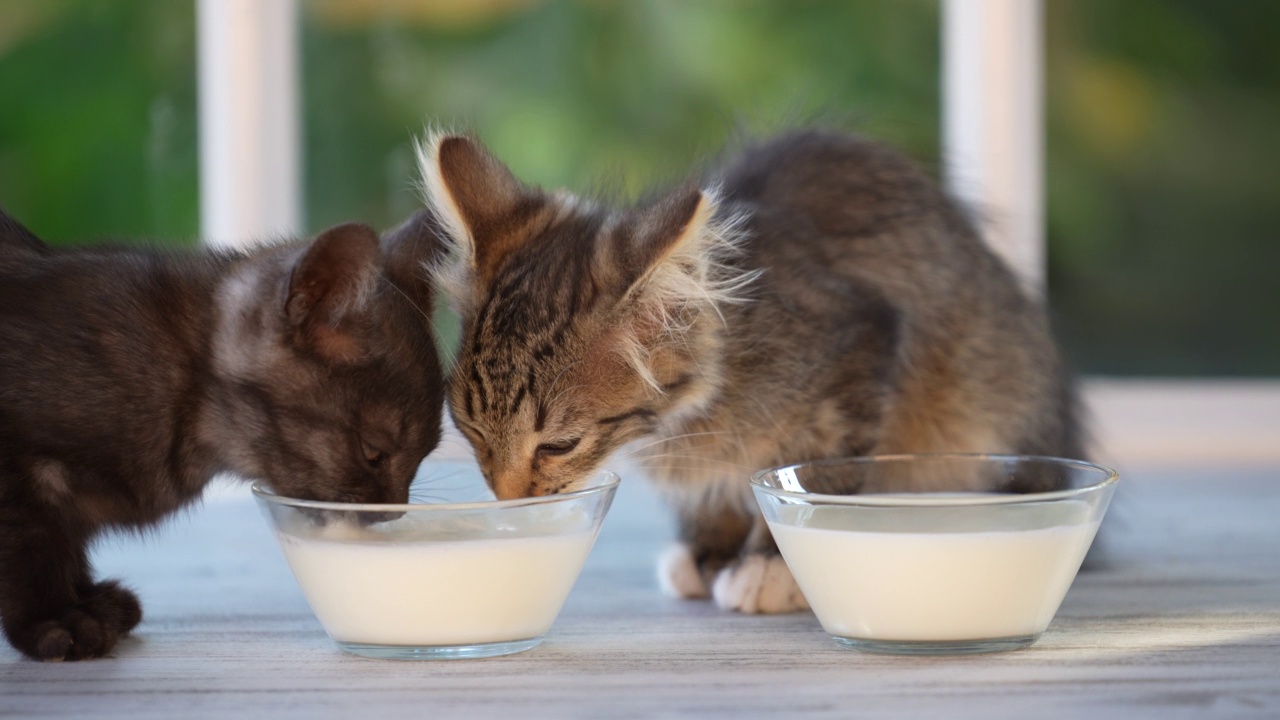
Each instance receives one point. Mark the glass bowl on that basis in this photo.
(890, 565)
(435, 581)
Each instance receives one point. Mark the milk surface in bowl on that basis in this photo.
(926, 572)
(439, 580)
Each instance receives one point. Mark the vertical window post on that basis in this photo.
(993, 135)
(249, 122)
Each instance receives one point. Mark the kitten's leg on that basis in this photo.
(711, 534)
(758, 580)
(51, 608)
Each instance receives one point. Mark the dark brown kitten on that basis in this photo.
(817, 296)
(130, 377)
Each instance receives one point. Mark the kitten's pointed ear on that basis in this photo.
(483, 209)
(329, 290)
(672, 231)
(670, 264)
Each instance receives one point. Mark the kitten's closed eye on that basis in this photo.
(562, 447)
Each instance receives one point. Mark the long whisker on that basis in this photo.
(434, 498)
(451, 488)
(408, 299)
(683, 468)
(445, 476)
(688, 456)
(563, 370)
(662, 462)
(562, 393)
(674, 438)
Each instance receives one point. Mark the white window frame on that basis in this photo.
(993, 133)
(993, 68)
(250, 169)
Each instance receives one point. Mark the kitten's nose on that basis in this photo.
(511, 485)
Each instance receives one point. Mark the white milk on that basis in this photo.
(899, 577)
(439, 592)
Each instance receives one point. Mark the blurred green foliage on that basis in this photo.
(1164, 185)
(1162, 144)
(97, 118)
(619, 94)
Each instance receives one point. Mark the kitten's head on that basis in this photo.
(583, 327)
(329, 385)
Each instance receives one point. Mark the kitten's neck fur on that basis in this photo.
(196, 455)
(239, 325)
(171, 343)
(177, 322)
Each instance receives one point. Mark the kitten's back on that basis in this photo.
(900, 293)
(17, 242)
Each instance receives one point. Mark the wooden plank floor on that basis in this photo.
(1183, 620)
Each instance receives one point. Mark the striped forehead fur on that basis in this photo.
(693, 279)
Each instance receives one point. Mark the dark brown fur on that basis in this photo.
(130, 377)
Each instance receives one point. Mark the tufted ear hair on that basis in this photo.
(672, 264)
(485, 213)
(644, 239)
(329, 289)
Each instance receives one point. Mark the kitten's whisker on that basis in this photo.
(683, 468)
(408, 299)
(674, 438)
(581, 483)
(561, 394)
(681, 452)
(434, 487)
(563, 370)
(694, 459)
(444, 473)
(772, 421)
(710, 464)
(436, 484)
(445, 476)
(424, 498)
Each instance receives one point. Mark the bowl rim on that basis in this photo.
(1110, 478)
(606, 480)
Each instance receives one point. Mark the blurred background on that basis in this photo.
(1163, 156)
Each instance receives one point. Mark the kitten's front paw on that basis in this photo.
(678, 574)
(758, 584)
(88, 630)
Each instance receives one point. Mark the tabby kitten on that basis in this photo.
(816, 297)
(130, 377)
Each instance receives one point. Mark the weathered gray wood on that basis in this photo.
(1183, 620)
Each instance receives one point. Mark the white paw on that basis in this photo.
(758, 584)
(678, 573)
